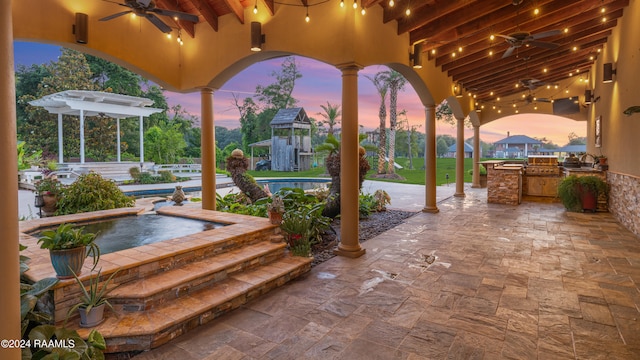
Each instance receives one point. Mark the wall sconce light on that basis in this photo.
(257, 37)
(416, 58)
(608, 73)
(457, 89)
(590, 97)
(81, 28)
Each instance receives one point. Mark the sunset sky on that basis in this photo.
(321, 83)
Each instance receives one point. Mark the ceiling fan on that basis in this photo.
(533, 84)
(518, 39)
(148, 9)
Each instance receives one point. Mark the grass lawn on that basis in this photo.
(444, 166)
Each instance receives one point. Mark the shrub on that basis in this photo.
(166, 176)
(92, 192)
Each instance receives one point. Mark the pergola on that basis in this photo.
(83, 103)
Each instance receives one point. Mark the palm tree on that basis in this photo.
(396, 82)
(331, 116)
(380, 82)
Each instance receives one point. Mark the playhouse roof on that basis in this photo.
(294, 117)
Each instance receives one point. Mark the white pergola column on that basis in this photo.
(141, 142)
(118, 138)
(81, 136)
(9, 255)
(430, 160)
(60, 140)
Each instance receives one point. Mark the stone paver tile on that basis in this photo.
(169, 351)
(322, 317)
(471, 347)
(409, 312)
(490, 326)
(361, 349)
(341, 307)
(329, 347)
(624, 312)
(225, 352)
(445, 300)
(279, 328)
(352, 326)
(519, 346)
(292, 348)
(251, 345)
(593, 349)
(384, 333)
(489, 292)
(554, 337)
(247, 319)
(429, 340)
(630, 331)
(596, 313)
(595, 331)
(476, 304)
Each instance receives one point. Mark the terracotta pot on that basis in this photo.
(91, 318)
(275, 217)
(50, 204)
(602, 161)
(588, 199)
(69, 261)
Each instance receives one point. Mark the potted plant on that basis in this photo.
(68, 248)
(93, 300)
(49, 188)
(297, 228)
(580, 193)
(275, 209)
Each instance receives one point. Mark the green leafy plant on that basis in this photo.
(65, 236)
(94, 296)
(49, 186)
(30, 293)
(91, 349)
(303, 227)
(571, 187)
(92, 192)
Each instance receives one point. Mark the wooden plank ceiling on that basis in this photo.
(457, 35)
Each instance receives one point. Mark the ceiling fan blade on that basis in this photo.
(144, 3)
(508, 52)
(546, 34)
(180, 15)
(506, 37)
(106, 18)
(545, 100)
(158, 23)
(542, 44)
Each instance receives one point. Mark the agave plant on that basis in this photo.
(95, 295)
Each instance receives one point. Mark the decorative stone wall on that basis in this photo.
(624, 200)
(503, 185)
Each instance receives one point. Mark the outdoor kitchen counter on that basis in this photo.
(504, 182)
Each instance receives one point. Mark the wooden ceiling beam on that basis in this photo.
(554, 14)
(269, 4)
(433, 30)
(207, 12)
(426, 13)
(236, 7)
(397, 12)
(533, 52)
(187, 26)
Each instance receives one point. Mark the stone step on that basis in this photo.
(132, 331)
(152, 291)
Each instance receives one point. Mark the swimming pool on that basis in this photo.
(301, 183)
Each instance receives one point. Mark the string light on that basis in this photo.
(307, 18)
(492, 37)
(536, 11)
(179, 39)
(341, 3)
(355, 4)
(255, 7)
(169, 35)
(363, 11)
(391, 3)
(408, 11)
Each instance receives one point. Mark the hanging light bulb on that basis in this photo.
(168, 35)
(307, 18)
(255, 7)
(391, 3)
(363, 11)
(408, 11)
(355, 4)
(341, 3)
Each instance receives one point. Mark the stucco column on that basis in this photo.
(349, 165)
(476, 157)
(60, 141)
(430, 160)
(208, 148)
(9, 268)
(460, 159)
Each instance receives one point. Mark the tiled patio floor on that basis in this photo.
(515, 282)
